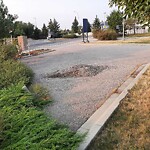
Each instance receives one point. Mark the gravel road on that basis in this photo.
(77, 98)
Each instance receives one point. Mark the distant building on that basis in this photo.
(138, 28)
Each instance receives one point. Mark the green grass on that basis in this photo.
(26, 127)
(129, 126)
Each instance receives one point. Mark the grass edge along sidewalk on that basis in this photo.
(98, 120)
(129, 126)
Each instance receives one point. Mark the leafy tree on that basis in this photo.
(96, 24)
(44, 31)
(115, 19)
(21, 28)
(75, 27)
(54, 27)
(139, 9)
(6, 20)
(29, 29)
(130, 23)
(18, 29)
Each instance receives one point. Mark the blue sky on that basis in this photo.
(64, 11)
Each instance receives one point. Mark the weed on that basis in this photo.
(7, 52)
(41, 95)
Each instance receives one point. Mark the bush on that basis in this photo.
(95, 33)
(105, 35)
(71, 36)
(27, 127)
(12, 72)
(7, 52)
(1, 127)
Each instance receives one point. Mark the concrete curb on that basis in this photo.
(97, 121)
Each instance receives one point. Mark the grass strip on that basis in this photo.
(129, 126)
(139, 35)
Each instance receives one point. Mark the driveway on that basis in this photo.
(77, 98)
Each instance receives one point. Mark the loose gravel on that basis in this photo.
(77, 98)
(77, 71)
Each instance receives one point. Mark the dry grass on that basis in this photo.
(139, 35)
(129, 127)
(136, 40)
(142, 40)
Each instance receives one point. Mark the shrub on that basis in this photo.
(1, 127)
(70, 36)
(105, 34)
(95, 33)
(12, 72)
(7, 52)
(27, 127)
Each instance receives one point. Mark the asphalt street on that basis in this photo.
(37, 44)
(76, 99)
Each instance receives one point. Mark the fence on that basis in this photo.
(8, 41)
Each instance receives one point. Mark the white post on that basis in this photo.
(123, 23)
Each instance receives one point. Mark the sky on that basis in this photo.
(64, 11)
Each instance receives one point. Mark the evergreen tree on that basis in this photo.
(75, 27)
(44, 31)
(114, 20)
(54, 28)
(96, 24)
(37, 33)
(29, 30)
(6, 21)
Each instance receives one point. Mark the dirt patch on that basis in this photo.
(77, 71)
(35, 52)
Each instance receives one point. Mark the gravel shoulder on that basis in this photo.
(77, 98)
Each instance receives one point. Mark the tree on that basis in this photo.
(139, 9)
(37, 33)
(44, 31)
(29, 29)
(21, 28)
(130, 23)
(115, 20)
(18, 29)
(75, 27)
(6, 20)
(96, 24)
(54, 27)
